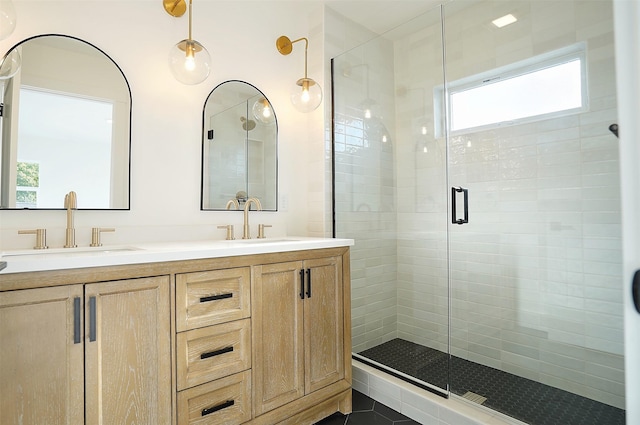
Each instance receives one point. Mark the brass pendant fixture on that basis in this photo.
(189, 61)
(306, 95)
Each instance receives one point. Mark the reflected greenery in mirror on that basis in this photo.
(239, 148)
(65, 127)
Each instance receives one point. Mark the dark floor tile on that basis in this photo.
(521, 398)
(388, 412)
(335, 419)
(367, 411)
(368, 418)
(361, 402)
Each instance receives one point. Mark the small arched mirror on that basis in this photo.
(239, 148)
(65, 126)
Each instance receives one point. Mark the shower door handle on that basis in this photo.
(454, 209)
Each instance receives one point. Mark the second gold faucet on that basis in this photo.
(70, 204)
(247, 206)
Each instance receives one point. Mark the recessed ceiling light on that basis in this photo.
(504, 21)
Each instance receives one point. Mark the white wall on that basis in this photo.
(167, 115)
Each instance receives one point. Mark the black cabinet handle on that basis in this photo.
(454, 210)
(216, 353)
(92, 319)
(308, 283)
(635, 290)
(76, 320)
(215, 297)
(302, 284)
(210, 410)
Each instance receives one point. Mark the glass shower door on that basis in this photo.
(391, 197)
(535, 273)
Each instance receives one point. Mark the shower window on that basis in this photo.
(543, 87)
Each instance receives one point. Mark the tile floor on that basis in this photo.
(528, 401)
(367, 411)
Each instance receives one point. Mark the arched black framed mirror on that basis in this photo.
(66, 125)
(239, 148)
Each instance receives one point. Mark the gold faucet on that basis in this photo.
(70, 203)
(232, 203)
(247, 206)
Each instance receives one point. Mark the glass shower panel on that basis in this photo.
(535, 273)
(391, 197)
(228, 154)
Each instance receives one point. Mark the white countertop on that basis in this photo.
(71, 258)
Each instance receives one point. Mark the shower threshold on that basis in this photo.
(523, 399)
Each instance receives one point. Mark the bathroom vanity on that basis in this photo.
(226, 332)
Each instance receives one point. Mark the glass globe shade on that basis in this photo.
(262, 111)
(306, 95)
(7, 18)
(190, 62)
(10, 64)
(370, 109)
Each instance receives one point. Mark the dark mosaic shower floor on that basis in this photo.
(520, 398)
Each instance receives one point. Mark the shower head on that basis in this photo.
(247, 125)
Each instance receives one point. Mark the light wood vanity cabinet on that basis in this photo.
(259, 339)
(214, 348)
(41, 369)
(100, 350)
(298, 330)
(299, 370)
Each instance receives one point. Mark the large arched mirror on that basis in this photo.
(65, 126)
(239, 148)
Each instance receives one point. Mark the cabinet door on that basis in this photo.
(323, 323)
(278, 345)
(41, 367)
(128, 352)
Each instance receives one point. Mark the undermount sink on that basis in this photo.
(265, 240)
(67, 251)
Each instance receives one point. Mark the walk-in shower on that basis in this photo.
(475, 169)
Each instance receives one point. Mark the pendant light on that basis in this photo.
(189, 61)
(10, 64)
(262, 111)
(306, 95)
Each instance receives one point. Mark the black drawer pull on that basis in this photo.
(210, 410)
(301, 284)
(216, 353)
(215, 297)
(92, 319)
(76, 320)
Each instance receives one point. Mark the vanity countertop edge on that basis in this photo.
(26, 261)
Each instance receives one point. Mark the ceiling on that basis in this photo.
(380, 16)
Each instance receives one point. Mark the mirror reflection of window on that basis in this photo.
(68, 108)
(69, 136)
(27, 183)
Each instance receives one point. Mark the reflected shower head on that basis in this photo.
(247, 125)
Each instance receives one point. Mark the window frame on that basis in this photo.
(443, 94)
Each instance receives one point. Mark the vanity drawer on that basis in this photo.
(225, 401)
(213, 352)
(212, 297)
